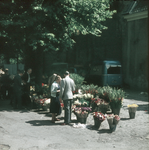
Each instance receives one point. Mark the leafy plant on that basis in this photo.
(92, 89)
(78, 80)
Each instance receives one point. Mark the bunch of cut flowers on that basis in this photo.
(132, 107)
(84, 96)
(112, 119)
(81, 112)
(42, 102)
(99, 104)
(99, 116)
(81, 103)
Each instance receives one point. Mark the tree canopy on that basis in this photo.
(50, 24)
(30, 27)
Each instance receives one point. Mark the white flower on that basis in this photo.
(77, 102)
(88, 95)
(79, 91)
(85, 96)
(75, 96)
(47, 101)
(80, 96)
(84, 103)
(92, 96)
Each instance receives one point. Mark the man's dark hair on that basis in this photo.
(66, 73)
(20, 71)
(29, 69)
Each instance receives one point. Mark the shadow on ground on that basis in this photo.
(42, 123)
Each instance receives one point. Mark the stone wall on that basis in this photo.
(135, 54)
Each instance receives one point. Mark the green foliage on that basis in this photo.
(112, 95)
(92, 89)
(78, 80)
(52, 24)
(48, 25)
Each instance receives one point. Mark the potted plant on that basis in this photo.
(98, 119)
(132, 110)
(81, 113)
(116, 97)
(113, 121)
(78, 80)
(99, 104)
(92, 89)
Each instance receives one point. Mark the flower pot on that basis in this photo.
(112, 127)
(132, 115)
(93, 105)
(82, 119)
(102, 108)
(116, 111)
(132, 112)
(97, 123)
(112, 124)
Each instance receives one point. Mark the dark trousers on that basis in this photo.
(67, 108)
(18, 100)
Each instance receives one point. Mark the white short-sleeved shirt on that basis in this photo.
(54, 88)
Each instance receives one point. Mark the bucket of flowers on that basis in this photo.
(81, 113)
(112, 121)
(99, 105)
(98, 119)
(46, 104)
(116, 97)
(132, 110)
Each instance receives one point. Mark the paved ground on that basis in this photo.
(33, 130)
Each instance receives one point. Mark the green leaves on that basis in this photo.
(52, 24)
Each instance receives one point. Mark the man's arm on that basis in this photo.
(62, 87)
(73, 86)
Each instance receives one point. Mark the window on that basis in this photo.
(114, 70)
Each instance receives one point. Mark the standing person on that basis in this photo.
(6, 82)
(55, 107)
(26, 81)
(17, 90)
(26, 88)
(67, 87)
(50, 81)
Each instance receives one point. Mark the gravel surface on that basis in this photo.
(33, 130)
